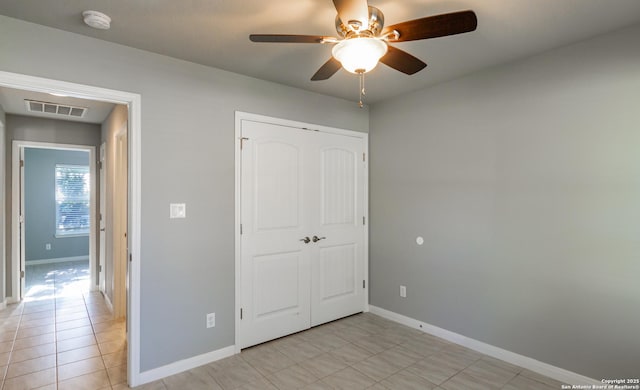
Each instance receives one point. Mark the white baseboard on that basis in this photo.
(3, 304)
(57, 260)
(184, 365)
(108, 302)
(545, 369)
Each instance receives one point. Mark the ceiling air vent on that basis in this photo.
(55, 108)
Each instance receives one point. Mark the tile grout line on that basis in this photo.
(13, 343)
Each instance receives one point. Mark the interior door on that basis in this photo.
(21, 223)
(302, 243)
(103, 209)
(275, 254)
(337, 199)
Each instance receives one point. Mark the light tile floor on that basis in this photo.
(62, 337)
(363, 351)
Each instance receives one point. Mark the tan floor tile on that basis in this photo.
(81, 367)
(94, 381)
(6, 346)
(70, 310)
(116, 358)
(489, 373)
(348, 379)
(38, 315)
(31, 365)
(196, 379)
(35, 331)
(109, 326)
(75, 355)
(73, 324)
(73, 333)
(118, 374)
(24, 324)
(407, 381)
(33, 352)
(523, 383)
(101, 318)
(112, 335)
(7, 335)
(464, 381)
(31, 381)
(49, 307)
(323, 365)
(53, 386)
(32, 341)
(111, 346)
(78, 342)
(293, 377)
(72, 317)
(4, 358)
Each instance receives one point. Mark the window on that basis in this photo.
(72, 200)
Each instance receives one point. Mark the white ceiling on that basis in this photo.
(12, 101)
(215, 33)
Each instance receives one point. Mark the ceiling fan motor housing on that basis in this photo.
(376, 23)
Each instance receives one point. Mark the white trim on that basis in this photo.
(239, 117)
(134, 105)
(108, 302)
(545, 369)
(186, 364)
(57, 260)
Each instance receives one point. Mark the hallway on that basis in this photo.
(61, 336)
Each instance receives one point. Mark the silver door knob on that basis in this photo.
(316, 238)
(306, 240)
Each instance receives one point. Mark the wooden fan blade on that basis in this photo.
(402, 61)
(327, 70)
(435, 26)
(284, 38)
(353, 10)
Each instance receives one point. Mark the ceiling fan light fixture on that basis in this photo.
(359, 55)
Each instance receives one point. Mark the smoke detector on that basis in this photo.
(97, 20)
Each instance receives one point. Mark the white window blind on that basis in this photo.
(72, 200)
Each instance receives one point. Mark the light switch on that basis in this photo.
(177, 210)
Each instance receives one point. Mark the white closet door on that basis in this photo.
(275, 263)
(337, 259)
(297, 184)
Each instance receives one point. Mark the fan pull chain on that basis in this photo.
(362, 91)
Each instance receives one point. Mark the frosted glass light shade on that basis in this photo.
(359, 55)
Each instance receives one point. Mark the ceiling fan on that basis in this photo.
(364, 40)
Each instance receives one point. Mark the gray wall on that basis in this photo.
(34, 129)
(40, 205)
(188, 111)
(524, 182)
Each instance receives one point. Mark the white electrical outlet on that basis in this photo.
(403, 291)
(211, 320)
(47, 246)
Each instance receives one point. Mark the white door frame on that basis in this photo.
(17, 203)
(119, 226)
(102, 211)
(239, 117)
(133, 102)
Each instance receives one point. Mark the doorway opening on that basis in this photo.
(56, 198)
(131, 103)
